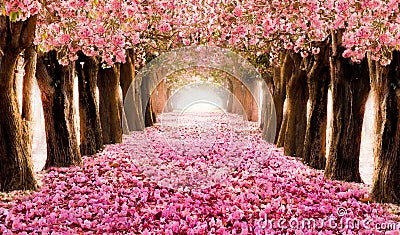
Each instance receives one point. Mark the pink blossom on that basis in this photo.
(115, 192)
(186, 41)
(238, 11)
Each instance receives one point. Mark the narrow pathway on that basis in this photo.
(194, 173)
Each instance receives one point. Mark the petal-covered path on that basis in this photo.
(194, 173)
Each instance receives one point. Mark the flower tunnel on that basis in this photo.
(209, 85)
(245, 91)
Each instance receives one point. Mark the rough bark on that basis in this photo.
(385, 85)
(280, 77)
(168, 106)
(91, 136)
(16, 171)
(266, 87)
(296, 110)
(133, 108)
(30, 58)
(350, 88)
(131, 95)
(150, 115)
(268, 114)
(242, 101)
(237, 88)
(250, 104)
(56, 84)
(315, 140)
(110, 104)
(127, 72)
(147, 86)
(229, 106)
(159, 97)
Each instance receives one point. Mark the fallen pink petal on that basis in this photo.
(232, 189)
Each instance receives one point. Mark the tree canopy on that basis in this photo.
(107, 28)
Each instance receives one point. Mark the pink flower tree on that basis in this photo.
(17, 29)
(81, 36)
(338, 35)
(374, 33)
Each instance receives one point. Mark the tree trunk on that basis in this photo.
(229, 105)
(16, 171)
(385, 85)
(280, 141)
(146, 87)
(56, 84)
(250, 104)
(268, 116)
(168, 105)
(296, 110)
(350, 88)
(238, 97)
(133, 108)
(110, 104)
(159, 97)
(129, 86)
(91, 136)
(315, 140)
(280, 77)
(30, 58)
(150, 116)
(127, 72)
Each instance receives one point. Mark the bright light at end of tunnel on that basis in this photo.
(199, 107)
(199, 97)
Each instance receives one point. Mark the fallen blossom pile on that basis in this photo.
(194, 174)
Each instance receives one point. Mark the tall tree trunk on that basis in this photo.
(91, 136)
(266, 89)
(168, 106)
(229, 105)
(268, 114)
(147, 86)
(110, 104)
(280, 77)
(127, 72)
(249, 103)
(238, 99)
(296, 110)
(385, 85)
(350, 88)
(150, 116)
(30, 58)
(56, 84)
(132, 107)
(16, 171)
(315, 140)
(159, 97)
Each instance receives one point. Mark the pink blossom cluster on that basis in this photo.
(111, 194)
(374, 29)
(107, 28)
(20, 10)
(363, 26)
(97, 28)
